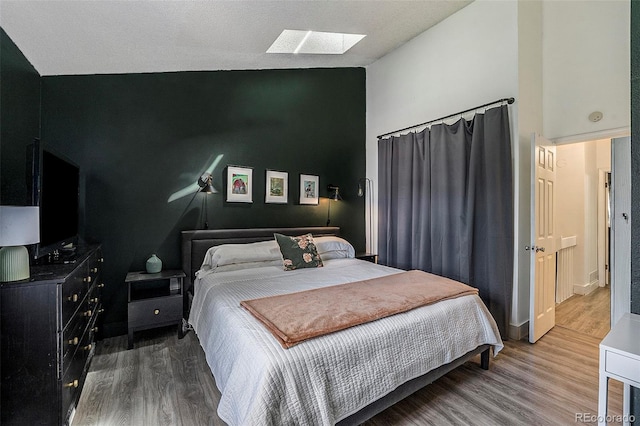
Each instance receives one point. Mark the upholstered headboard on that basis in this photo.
(196, 243)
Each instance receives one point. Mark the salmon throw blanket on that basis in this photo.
(296, 317)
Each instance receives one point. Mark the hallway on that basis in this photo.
(588, 314)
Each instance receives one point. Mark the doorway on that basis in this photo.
(583, 291)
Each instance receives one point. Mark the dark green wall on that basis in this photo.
(19, 120)
(635, 175)
(138, 138)
(635, 157)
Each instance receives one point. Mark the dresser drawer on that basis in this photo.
(72, 339)
(80, 324)
(74, 290)
(156, 311)
(622, 366)
(73, 379)
(94, 264)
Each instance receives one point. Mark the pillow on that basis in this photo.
(298, 252)
(334, 248)
(232, 254)
(248, 265)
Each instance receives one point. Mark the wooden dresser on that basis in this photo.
(48, 332)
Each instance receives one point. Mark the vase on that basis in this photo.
(154, 264)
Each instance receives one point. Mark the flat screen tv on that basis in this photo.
(55, 188)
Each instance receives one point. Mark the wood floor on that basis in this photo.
(165, 381)
(589, 314)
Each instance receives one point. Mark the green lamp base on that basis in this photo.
(14, 263)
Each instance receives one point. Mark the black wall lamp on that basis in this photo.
(205, 182)
(365, 189)
(334, 195)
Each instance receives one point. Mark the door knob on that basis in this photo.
(539, 249)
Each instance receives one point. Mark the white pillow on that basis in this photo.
(334, 248)
(247, 265)
(231, 254)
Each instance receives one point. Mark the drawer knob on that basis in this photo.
(73, 384)
(73, 298)
(156, 311)
(87, 348)
(73, 341)
(94, 300)
(94, 270)
(87, 313)
(87, 279)
(94, 329)
(101, 310)
(101, 260)
(101, 285)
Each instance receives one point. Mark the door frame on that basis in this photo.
(620, 250)
(618, 291)
(603, 267)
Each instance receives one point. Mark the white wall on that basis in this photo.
(586, 66)
(466, 60)
(529, 122)
(590, 213)
(560, 60)
(570, 202)
(578, 168)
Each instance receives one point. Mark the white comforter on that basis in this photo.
(325, 379)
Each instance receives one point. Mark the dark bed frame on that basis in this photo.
(196, 243)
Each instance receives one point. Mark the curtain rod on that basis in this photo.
(507, 100)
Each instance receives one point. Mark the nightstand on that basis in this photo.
(369, 257)
(154, 300)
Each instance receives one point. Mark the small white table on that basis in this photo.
(620, 360)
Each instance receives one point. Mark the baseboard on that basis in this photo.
(585, 289)
(519, 332)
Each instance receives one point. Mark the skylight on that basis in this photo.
(314, 42)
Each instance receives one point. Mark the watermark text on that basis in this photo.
(609, 418)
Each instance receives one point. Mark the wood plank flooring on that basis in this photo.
(162, 381)
(589, 314)
(548, 383)
(165, 381)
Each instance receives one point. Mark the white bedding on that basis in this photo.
(325, 379)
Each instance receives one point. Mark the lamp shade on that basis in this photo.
(206, 183)
(334, 193)
(19, 225)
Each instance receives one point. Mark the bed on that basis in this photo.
(341, 378)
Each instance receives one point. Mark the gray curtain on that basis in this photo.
(446, 205)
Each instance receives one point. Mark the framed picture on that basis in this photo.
(277, 190)
(239, 184)
(309, 185)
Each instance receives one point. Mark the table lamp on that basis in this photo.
(19, 226)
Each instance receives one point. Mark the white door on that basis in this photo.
(620, 227)
(542, 313)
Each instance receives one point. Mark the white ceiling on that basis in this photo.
(61, 37)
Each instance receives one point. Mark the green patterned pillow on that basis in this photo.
(298, 252)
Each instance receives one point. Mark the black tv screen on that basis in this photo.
(59, 191)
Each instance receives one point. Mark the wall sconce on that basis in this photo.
(365, 189)
(334, 194)
(205, 182)
(19, 226)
